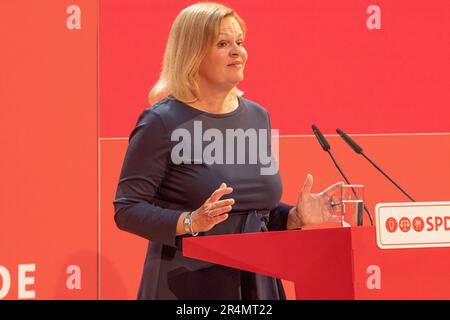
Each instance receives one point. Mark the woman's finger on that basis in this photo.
(336, 208)
(333, 205)
(216, 195)
(221, 203)
(221, 218)
(219, 211)
(307, 186)
(328, 192)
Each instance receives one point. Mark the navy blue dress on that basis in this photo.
(157, 184)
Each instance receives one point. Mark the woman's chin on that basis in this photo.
(238, 78)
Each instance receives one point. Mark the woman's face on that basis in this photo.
(223, 66)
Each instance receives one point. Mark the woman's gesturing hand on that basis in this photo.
(313, 208)
(213, 211)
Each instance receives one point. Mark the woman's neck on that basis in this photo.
(216, 102)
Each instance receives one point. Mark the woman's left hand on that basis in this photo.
(313, 209)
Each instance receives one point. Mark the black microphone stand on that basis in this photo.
(379, 169)
(326, 147)
(359, 150)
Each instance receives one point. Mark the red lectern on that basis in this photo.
(335, 263)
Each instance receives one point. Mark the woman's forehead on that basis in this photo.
(230, 25)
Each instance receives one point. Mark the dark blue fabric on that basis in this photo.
(153, 191)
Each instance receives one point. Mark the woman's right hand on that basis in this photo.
(213, 211)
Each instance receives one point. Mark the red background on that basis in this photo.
(48, 139)
(309, 62)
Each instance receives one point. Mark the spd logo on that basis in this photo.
(413, 225)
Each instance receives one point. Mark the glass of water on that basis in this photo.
(352, 197)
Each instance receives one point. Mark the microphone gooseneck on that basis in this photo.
(359, 150)
(326, 147)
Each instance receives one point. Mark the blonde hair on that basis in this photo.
(193, 32)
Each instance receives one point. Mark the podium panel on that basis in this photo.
(335, 263)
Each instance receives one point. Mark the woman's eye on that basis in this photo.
(223, 44)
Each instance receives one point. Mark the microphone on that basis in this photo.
(359, 150)
(323, 142)
(326, 147)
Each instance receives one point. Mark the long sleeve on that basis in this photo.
(146, 161)
(278, 217)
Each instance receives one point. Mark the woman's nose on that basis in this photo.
(235, 50)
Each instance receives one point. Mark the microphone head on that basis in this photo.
(349, 141)
(323, 142)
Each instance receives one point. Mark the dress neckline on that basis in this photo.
(239, 108)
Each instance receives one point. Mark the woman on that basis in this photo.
(167, 192)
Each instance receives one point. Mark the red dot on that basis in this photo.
(391, 225)
(418, 224)
(405, 224)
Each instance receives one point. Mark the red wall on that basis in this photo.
(69, 99)
(316, 60)
(48, 138)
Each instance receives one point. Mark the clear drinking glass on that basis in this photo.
(352, 200)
